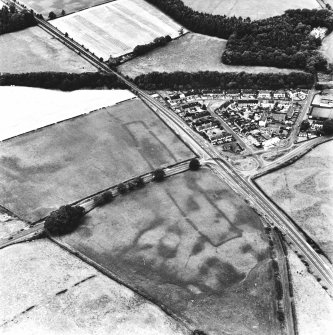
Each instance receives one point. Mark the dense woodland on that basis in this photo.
(142, 49)
(281, 41)
(62, 81)
(12, 20)
(228, 80)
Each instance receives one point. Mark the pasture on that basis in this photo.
(34, 50)
(191, 244)
(65, 162)
(116, 28)
(46, 6)
(46, 290)
(255, 9)
(189, 53)
(304, 190)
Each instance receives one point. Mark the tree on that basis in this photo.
(305, 125)
(327, 129)
(52, 16)
(103, 199)
(194, 164)
(122, 188)
(159, 175)
(139, 182)
(63, 13)
(198, 332)
(64, 220)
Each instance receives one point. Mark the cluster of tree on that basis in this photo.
(281, 41)
(64, 220)
(327, 129)
(203, 23)
(142, 49)
(131, 185)
(227, 80)
(194, 164)
(13, 20)
(62, 81)
(103, 199)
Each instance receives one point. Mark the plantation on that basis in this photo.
(68, 161)
(34, 50)
(255, 9)
(190, 244)
(190, 53)
(116, 28)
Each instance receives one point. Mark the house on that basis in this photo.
(279, 95)
(264, 94)
(247, 102)
(278, 117)
(249, 94)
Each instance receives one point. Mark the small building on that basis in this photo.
(279, 95)
(264, 94)
(278, 117)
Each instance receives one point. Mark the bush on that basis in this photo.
(64, 220)
(198, 332)
(194, 164)
(280, 315)
(159, 175)
(279, 289)
(103, 198)
(122, 188)
(139, 182)
(131, 186)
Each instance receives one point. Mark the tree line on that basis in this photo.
(281, 41)
(12, 20)
(142, 49)
(63, 81)
(227, 80)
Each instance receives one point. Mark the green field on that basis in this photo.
(70, 160)
(46, 6)
(190, 244)
(190, 53)
(255, 9)
(305, 191)
(34, 50)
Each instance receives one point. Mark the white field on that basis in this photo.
(116, 28)
(25, 109)
(47, 291)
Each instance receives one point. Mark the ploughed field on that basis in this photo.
(255, 9)
(116, 28)
(34, 50)
(70, 160)
(46, 6)
(304, 190)
(189, 53)
(191, 245)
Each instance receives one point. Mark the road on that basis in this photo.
(221, 166)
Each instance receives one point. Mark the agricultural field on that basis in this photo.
(53, 106)
(191, 244)
(255, 9)
(116, 28)
(34, 50)
(304, 190)
(189, 53)
(46, 6)
(68, 161)
(46, 290)
(327, 47)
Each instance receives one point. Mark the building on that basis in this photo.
(263, 94)
(278, 117)
(279, 95)
(247, 102)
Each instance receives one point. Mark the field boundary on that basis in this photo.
(185, 323)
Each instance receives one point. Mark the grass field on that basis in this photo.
(34, 50)
(46, 6)
(45, 290)
(327, 47)
(116, 28)
(191, 244)
(53, 106)
(255, 9)
(70, 160)
(305, 191)
(190, 53)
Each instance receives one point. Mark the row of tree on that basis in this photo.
(12, 20)
(281, 41)
(227, 80)
(142, 49)
(62, 81)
